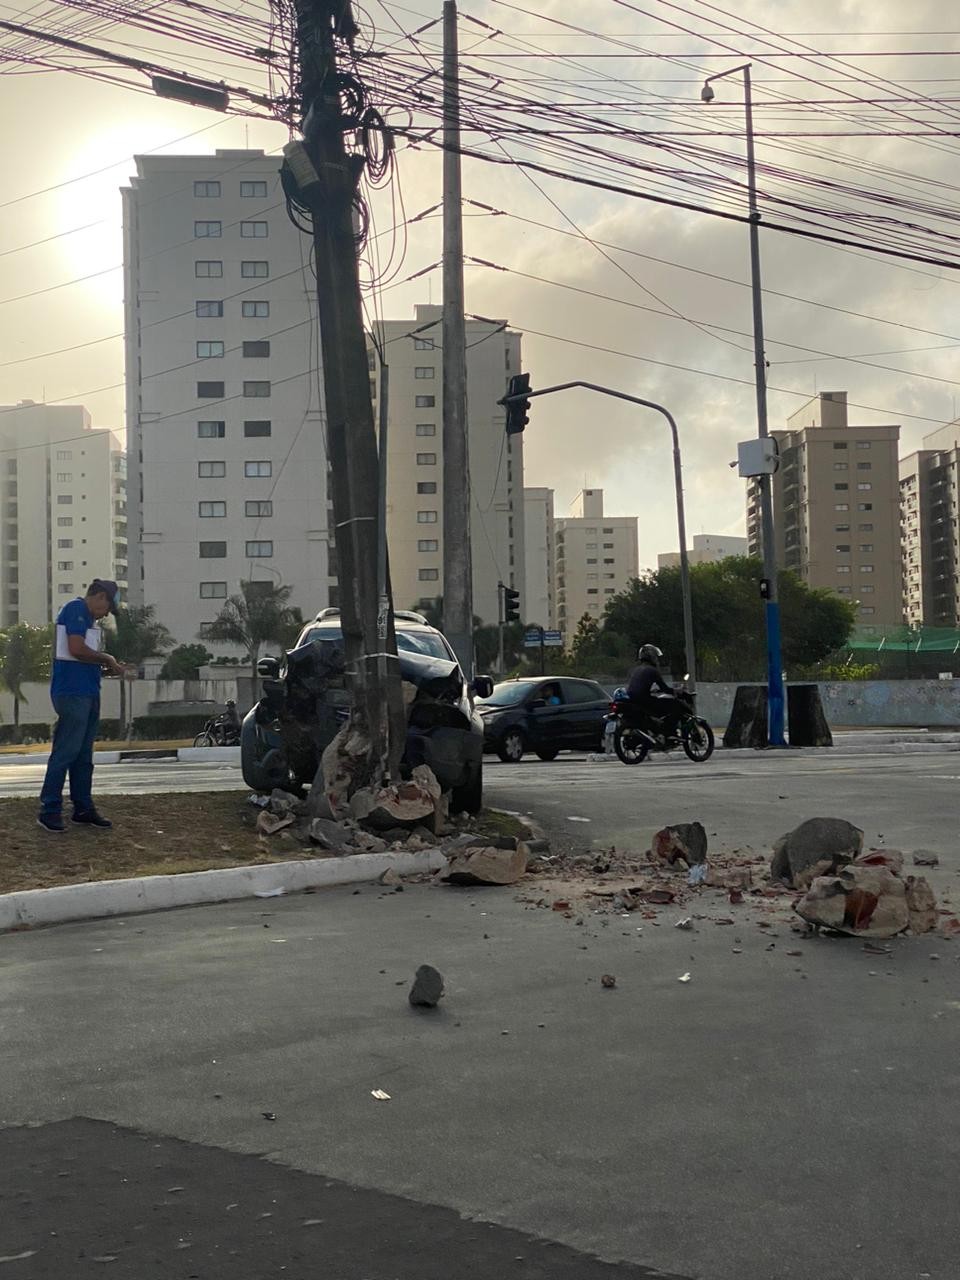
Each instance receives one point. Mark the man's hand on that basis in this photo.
(112, 666)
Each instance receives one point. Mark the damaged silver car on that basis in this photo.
(305, 701)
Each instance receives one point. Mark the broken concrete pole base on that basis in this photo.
(330, 835)
(486, 865)
(344, 762)
(864, 901)
(401, 804)
(427, 988)
(682, 840)
(819, 846)
(268, 824)
(921, 905)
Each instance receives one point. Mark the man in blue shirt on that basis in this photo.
(75, 692)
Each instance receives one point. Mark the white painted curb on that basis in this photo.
(186, 755)
(97, 899)
(209, 755)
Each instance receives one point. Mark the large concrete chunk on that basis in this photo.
(402, 804)
(867, 902)
(819, 846)
(921, 905)
(487, 866)
(682, 840)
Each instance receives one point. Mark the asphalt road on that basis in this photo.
(779, 1117)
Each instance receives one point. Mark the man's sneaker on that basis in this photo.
(51, 822)
(91, 819)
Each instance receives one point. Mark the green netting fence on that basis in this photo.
(904, 639)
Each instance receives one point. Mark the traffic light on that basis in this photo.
(511, 604)
(517, 410)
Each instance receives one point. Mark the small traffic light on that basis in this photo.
(511, 604)
(517, 410)
(764, 588)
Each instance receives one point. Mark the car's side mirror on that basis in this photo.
(537, 703)
(482, 686)
(268, 668)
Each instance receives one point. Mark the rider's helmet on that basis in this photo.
(650, 653)
(230, 704)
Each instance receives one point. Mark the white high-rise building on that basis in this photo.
(596, 557)
(63, 516)
(539, 606)
(708, 548)
(225, 435)
(414, 355)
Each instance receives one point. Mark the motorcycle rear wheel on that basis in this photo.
(698, 740)
(630, 745)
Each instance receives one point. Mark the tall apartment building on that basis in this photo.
(539, 604)
(63, 517)
(707, 548)
(836, 499)
(930, 539)
(415, 459)
(227, 457)
(596, 557)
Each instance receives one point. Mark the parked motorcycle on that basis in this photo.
(637, 732)
(220, 731)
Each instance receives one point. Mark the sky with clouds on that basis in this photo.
(589, 311)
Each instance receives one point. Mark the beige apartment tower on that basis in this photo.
(63, 509)
(539, 538)
(930, 540)
(837, 507)
(596, 556)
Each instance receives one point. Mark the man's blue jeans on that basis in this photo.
(72, 752)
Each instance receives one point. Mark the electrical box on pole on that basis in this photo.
(760, 457)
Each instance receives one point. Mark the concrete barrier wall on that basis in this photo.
(861, 703)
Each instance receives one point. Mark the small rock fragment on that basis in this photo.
(608, 981)
(427, 988)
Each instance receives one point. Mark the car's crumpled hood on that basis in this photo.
(436, 676)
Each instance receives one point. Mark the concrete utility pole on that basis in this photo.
(457, 555)
(377, 703)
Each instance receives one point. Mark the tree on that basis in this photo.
(432, 609)
(259, 615)
(586, 643)
(183, 662)
(728, 618)
(486, 645)
(137, 636)
(25, 653)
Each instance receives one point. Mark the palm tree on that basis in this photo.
(259, 615)
(138, 636)
(24, 658)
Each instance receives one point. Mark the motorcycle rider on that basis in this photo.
(643, 679)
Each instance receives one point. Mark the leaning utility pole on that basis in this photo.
(327, 185)
(457, 557)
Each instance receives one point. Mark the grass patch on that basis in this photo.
(132, 744)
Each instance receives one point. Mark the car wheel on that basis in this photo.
(548, 753)
(511, 747)
(469, 797)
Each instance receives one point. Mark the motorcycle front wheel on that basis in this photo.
(698, 740)
(630, 744)
(203, 740)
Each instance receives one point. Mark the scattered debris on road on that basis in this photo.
(608, 981)
(686, 841)
(817, 847)
(380, 1095)
(926, 858)
(427, 988)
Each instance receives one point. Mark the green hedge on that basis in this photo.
(10, 734)
(154, 728)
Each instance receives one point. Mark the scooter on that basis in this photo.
(220, 731)
(637, 733)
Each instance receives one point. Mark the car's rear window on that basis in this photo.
(428, 643)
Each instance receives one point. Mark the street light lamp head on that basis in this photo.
(706, 93)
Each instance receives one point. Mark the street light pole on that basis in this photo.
(765, 482)
(691, 653)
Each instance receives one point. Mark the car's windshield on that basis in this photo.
(427, 643)
(509, 693)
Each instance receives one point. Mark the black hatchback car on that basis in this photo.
(545, 715)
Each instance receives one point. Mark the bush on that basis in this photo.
(155, 728)
(10, 734)
(109, 731)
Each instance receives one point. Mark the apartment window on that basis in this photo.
(841, 506)
(609, 560)
(864, 484)
(843, 548)
(213, 550)
(63, 455)
(258, 427)
(426, 486)
(423, 344)
(426, 517)
(64, 477)
(864, 506)
(865, 528)
(866, 568)
(592, 561)
(259, 550)
(208, 270)
(65, 588)
(254, 230)
(845, 591)
(208, 430)
(252, 190)
(609, 591)
(841, 466)
(864, 466)
(868, 609)
(64, 544)
(608, 546)
(256, 390)
(424, 371)
(837, 445)
(591, 546)
(426, 459)
(866, 546)
(209, 350)
(63, 565)
(254, 270)
(843, 568)
(212, 510)
(867, 589)
(593, 591)
(258, 350)
(64, 499)
(209, 309)
(258, 507)
(426, 428)
(609, 575)
(257, 470)
(255, 310)
(841, 528)
(426, 402)
(863, 444)
(213, 591)
(428, 544)
(610, 530)
(841, 487)
(428, 575)
(64, 522)
(210, 470)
